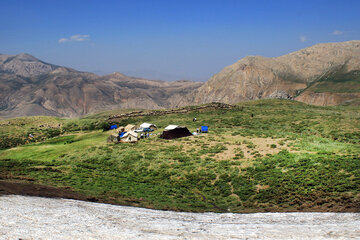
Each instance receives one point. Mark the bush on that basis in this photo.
(105, 126)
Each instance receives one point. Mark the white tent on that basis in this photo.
(171, 127)
(129, 137)
(148, 125)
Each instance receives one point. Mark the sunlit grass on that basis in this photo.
(51, 150)
(325, 145)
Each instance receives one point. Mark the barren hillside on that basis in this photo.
(324, 74)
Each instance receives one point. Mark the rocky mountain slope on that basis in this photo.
(29, 86)
(24, 64)
(324, 74)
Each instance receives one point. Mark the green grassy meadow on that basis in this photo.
(288, 157)
(339, 83)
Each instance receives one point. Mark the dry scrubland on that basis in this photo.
(288, 157)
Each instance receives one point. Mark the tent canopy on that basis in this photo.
(129, 137)
(120, 129)
(131, 133)
(170, 127)
(130, 127)
(148, 125)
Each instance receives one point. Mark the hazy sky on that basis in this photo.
(169, 40)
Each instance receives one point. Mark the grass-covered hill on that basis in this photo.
(288, 157)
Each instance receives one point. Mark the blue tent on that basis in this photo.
(121, 134)
(113, 127)
(204, 129)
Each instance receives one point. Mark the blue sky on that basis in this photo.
(170, 40)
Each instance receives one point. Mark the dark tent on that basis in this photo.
(175, 133)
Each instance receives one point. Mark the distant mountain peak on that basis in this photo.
(118, 75)
(26, 57)
(25, 65)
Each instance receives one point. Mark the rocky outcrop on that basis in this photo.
(329, 99)
(205, 107)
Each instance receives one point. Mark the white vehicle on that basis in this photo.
(139, 130)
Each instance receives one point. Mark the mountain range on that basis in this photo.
(324, 74)
(29, 86)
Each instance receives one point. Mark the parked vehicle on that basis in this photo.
(147, 130)
(144, 130)
(138, 130)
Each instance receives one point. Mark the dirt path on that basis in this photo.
(43, 218)
(12, 187)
